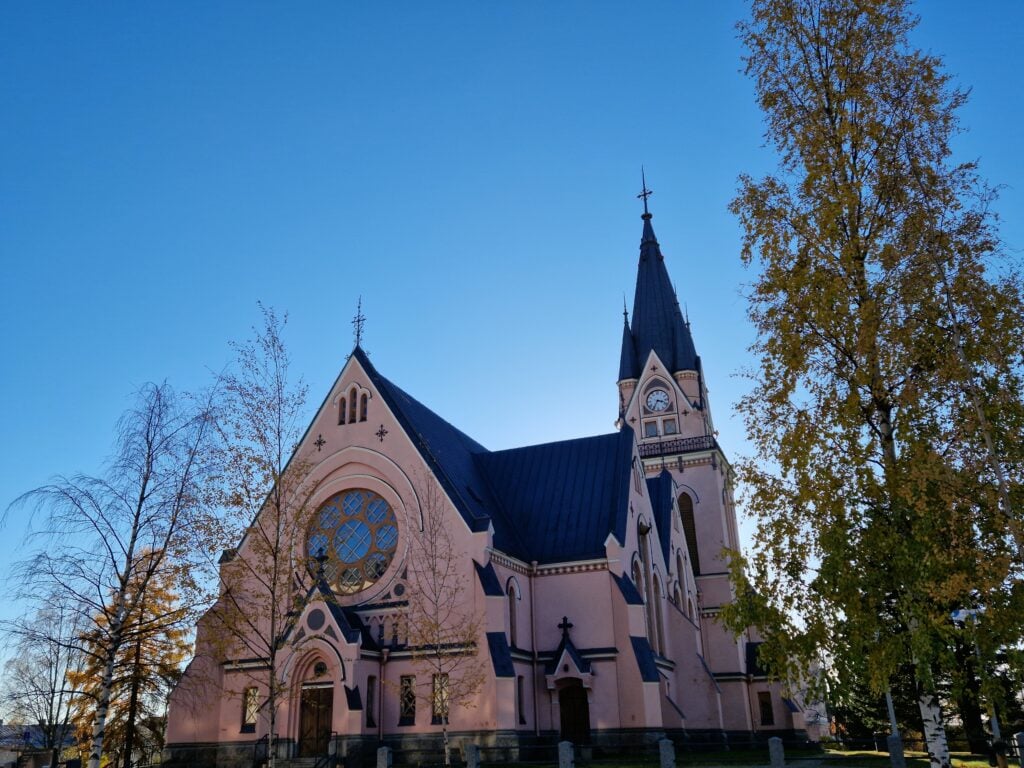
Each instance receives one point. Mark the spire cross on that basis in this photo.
(645, 192)
(358, 321)
(565, 626)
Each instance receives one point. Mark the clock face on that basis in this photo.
(657, 400)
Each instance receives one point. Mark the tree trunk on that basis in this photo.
(934, 731)
(99, 721)
(133, 706)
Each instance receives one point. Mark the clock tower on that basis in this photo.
(663, 398)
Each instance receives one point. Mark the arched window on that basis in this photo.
(689, 529)
(638, 578)
(352, 405)
(341, 411)
(680, 573)
(690, 612)
(677, 598)
(513, 599)
(643, 529)
(656, 641)
(371, 701)
(362, 408)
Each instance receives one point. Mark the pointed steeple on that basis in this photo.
(658, 323)
(627, 360)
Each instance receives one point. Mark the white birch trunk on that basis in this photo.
(99, 721)
(934, 731)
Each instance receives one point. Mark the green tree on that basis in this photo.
(886, 412)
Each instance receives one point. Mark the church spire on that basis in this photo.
(658, 323)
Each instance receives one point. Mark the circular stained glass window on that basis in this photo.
(358, 533)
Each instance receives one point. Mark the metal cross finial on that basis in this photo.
(645, 192)
(565, 626)
(625, 312)
(358, 321)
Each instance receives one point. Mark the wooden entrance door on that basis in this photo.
(575, 712)
(317, 707)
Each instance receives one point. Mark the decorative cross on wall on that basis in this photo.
(319, 443)
(381, 433)
(565, 626)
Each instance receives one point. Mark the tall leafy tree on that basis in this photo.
(886, 411)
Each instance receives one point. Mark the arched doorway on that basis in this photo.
(575, 712)
(316, 709)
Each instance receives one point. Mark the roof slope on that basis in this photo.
(658, 323)
(563, 498)
(550, 503)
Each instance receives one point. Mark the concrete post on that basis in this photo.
(384, 757)
(566, 755)
(775, 752)
(1019, 738)
(472, 753)
(666, 754)
(896, 757)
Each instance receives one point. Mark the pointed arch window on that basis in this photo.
(657, 640)
(689, 529)
(513, 598)
(643, 529)
(341, 411)
(352, 406)
(362, 407)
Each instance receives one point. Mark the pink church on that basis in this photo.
(594, 565)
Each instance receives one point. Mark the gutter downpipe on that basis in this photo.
(533, 643)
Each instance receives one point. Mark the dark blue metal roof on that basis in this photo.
(628, 589)
(658, 323)
(550, 503)
(645, 659)
(352, 698)
(567, 646)
(489, 580)
(501, 654)
(562, 499)
(447, 451)
(660, 489)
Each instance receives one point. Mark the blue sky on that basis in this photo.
(469, 169)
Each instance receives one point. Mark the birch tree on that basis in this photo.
(259, 489)
(443, 626)
(886, 411)
(92, 531)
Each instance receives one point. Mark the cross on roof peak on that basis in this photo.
(645, 192)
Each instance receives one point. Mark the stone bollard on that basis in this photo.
(384, 757)
(472, 756)
(1019, 739)
(896, 756)
(775, 752)
(566, 755)
(666, 754)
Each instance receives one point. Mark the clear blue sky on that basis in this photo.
(470, 169)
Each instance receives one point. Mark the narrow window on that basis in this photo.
(642, 542)
(520, 703)
(650, 429)
(677, 598)
(658, 620)
(362, 408)
(352, 406)
(341, 411)
(638, 578)
(689, 529)
(407, 700)
(371, 701)
(250, 709)
(512, 614)
(680, 573)
(764, 703)
(439, 699)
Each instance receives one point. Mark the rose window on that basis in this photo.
(358, 533)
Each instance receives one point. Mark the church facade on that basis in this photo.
(592, 568)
